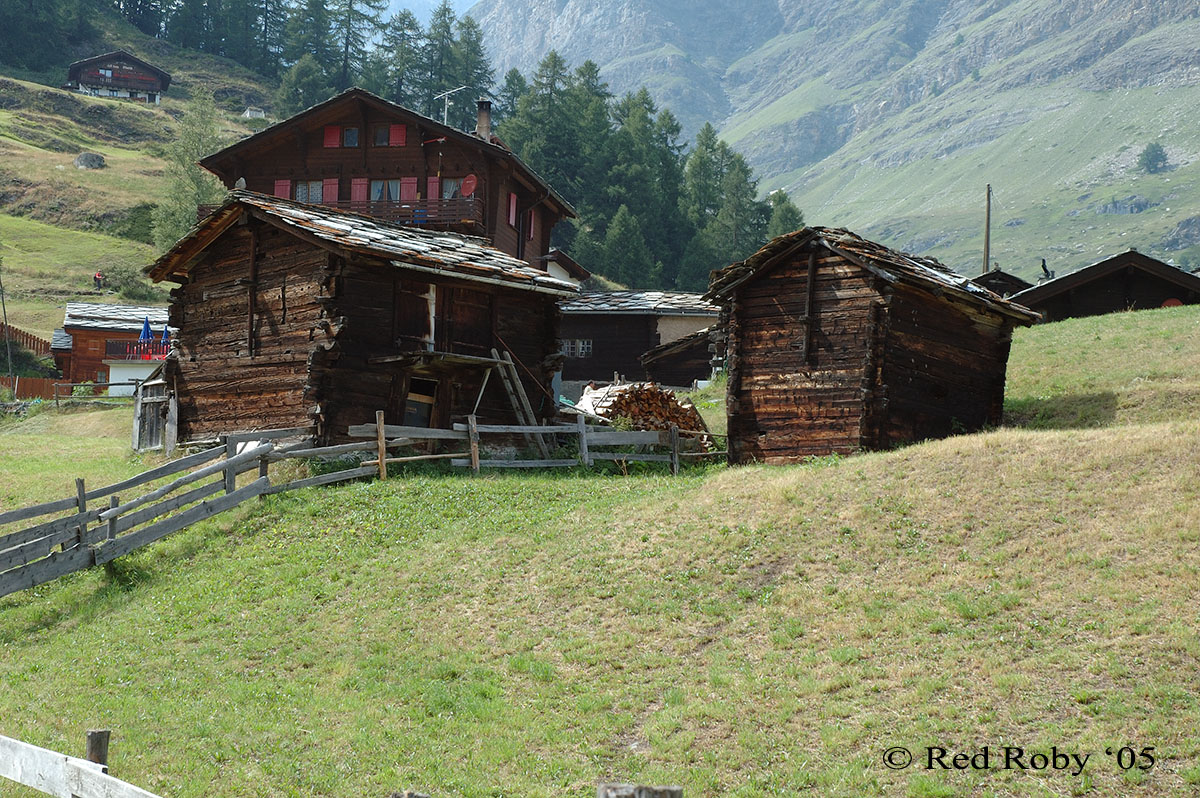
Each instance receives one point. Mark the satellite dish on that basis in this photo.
(1172, 303)
(469, 184)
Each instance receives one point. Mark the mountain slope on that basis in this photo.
(890, 92)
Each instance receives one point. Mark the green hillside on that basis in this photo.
(748, 632)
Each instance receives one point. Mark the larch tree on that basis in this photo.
(189, 186)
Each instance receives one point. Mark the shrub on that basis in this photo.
(128, 281)
(1153, 158)
(84, 389)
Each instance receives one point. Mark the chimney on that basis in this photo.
(483, 123)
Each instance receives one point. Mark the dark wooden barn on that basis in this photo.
(685, 360)
(118, 74)
(838, 344)
(361, 153)
(291, 315)
(1129, 281)
(606, 332)
(1001, 282)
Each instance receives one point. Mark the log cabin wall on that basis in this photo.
(387, 311)
(247, 327)
(684, 366)
(617, 340)
(942, 371)
(785, 403)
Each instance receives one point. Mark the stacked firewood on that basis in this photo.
(644, 404)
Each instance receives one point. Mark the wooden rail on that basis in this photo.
(26, 340)
(60, 775)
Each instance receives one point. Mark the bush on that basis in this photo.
(128, 281)
(84, 389)
(1153, 158)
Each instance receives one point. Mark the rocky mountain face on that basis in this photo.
(852, 63)
(888, 115)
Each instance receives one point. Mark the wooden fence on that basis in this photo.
(593, 441)
(30, 387)
(95, 526)
(60, 775)
(25, 340)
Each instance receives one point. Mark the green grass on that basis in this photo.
(747, 632)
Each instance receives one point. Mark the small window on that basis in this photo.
(452, 187)
(385, 190)
(309, 191)
(512, 210)
(379, 135)
(577, 347)
(349, 137)
(389, 135)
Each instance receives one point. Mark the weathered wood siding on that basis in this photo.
(942, 371)
(618, 341)
(227, 377)
(1125, 289)
(783, 406)
(683, 367)
(384, 314)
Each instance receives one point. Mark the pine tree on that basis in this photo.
(302, 86)
(308, 30)
(269, 35)
(785, 216)
(353, 22)
(472, 69)
(626, 257)
(400, 55)
(514, 88)
(437, 61)
(189, 185)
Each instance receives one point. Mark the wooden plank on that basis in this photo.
(135, 540)
(417, 457)
(35, 550)
(49, 528)
(322, 479)
(60, 775)
(45, 570)
(228, 466)
(473, 432)
(634, 438)
(166, 469)
(333, 451)
(380, 445)
(582, 429)
(514, 428)
(416, 433)
(133, 519)
(703, 454)
(632, 458)
(465, 462)
(26, 513)
(268, 434)
(530, 417)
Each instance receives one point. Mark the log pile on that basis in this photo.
(646, 405)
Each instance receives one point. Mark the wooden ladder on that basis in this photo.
(519, 399)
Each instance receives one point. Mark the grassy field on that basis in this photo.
(747, 632)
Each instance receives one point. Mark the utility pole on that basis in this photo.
(987, 230)
(7, 335)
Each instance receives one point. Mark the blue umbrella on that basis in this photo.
(166, 337)
(146, 334)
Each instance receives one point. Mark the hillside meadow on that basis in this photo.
(749, 632)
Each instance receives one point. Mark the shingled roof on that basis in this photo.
(118, 318)
(887, 264)
(658, 303)
(413, 248)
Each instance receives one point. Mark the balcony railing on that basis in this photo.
(135, 350)
(463, 214)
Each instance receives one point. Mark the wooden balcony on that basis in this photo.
(461, 214)
(135, 350)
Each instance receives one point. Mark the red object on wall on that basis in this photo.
(359, 187)
(469, 184)
(329, 190)
(397, 135)
(431, 188)
(408, 189)
(283, 189)
(333, 136)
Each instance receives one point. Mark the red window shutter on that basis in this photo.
(512, 209)
(333, 136)
(359, 187)
(329, 190)
(397, 135)
(283, 188)
(408, 189)
(431, 188)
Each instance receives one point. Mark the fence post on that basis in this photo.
(584, 455)
(81, 502)
(114, 501)
(97, 746)
(381, 444)
(674, 450)
(473, 435)
(230, 476)
(263, 466)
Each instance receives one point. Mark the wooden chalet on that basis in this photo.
(1129, 281)
(606, 332)
(294, 315)
(1001, 282)
(118, 74)
(99, 343)
(685, 360)
(837, 344)
(361, 153)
